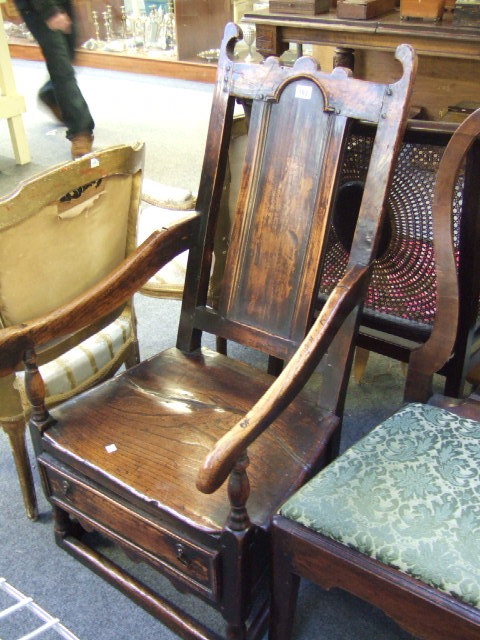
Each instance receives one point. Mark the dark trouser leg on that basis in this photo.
(58, 51)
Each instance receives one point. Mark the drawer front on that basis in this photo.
(306, 8)
(173, 555)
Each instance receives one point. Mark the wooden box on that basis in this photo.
(422, 9)
(363, 9)
(467, 13)
(300, 7)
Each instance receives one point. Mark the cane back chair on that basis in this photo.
(142, 459)
(399, 307)
(60, 232)
(395, 520)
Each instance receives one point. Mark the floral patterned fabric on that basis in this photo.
(407, 494)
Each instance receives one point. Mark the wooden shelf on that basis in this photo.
(185, 70)
(449, 54)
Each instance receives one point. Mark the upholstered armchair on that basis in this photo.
(60, 232)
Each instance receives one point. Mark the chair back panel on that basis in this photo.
(299, 124)
(405, 257)
(59, 242)
(279, 226)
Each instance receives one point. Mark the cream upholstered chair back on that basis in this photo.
(163, 205)
(52, 253)
(60, 233)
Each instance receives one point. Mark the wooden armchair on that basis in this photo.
(142, 459)
(395, 519)
(61, 232)
(399, 307)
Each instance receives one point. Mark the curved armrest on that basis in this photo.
(221, 460)
(103, 298)
(432, 355)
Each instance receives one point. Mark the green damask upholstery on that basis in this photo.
(408, 495)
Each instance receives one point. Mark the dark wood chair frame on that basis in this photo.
(203, 539)
(300, 552)
(395, 336)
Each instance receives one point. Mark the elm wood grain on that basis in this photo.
(165, 415)
(174, 408)
(286, 386)
(186, 561)
(300, 552)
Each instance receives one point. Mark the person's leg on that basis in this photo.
(58, 49)
(46, 96)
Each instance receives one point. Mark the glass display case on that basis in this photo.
(176, 38)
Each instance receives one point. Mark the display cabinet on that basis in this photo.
(448, 53)
(176, 38)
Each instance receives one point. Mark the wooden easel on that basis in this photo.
(11, 104)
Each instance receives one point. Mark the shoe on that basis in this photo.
(52, 107)
(81, 144)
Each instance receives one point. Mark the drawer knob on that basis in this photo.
(181, 557)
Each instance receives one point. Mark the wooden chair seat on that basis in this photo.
(192, 391)
(407, 495)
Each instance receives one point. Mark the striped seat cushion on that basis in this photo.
(167, 282)
(81, 366)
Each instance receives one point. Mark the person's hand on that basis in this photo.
(59, 22)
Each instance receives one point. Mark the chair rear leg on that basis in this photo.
(221, 345)
(16, 435)
(360, 361)
(132, 355)
(285, 585)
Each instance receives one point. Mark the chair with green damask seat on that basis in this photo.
(395, 520)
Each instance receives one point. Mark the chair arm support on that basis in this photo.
(101, 299)
(432, 355)
(221, 459)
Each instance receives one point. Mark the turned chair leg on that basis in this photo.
(16, 435)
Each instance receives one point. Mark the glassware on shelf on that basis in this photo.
(249, 37)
